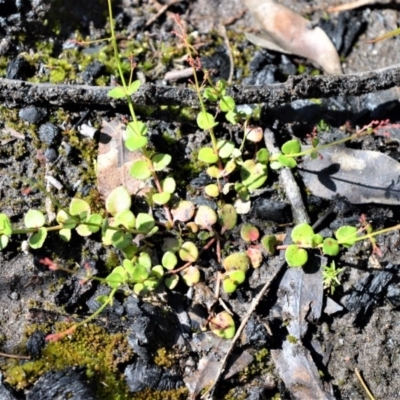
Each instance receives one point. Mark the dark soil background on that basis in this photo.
(155, 349)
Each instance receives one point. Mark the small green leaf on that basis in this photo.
(291, 147)
(346, 235)
(237, 276)
(295, 257)
(171, 281)
(158, 271)
(212, 190)
(5, 225)
(65, 234)
(94, 222)
(232, 117)
(161, 161)
(140, 170)
(275, 165)
(66, 220)
(236, 261)
(136, 143)
(117, 93)
(135, 129)
(229, 286)
(161, 198)
(189, 252)
(114, 280)
(253, 175)
(287, 161)
(125, 218)
(169, 260)
(263, 156)
(139, 274)
(79, 208)
(227, 104)
(225, 148)
(144, 222)
(205, 120)
(145, 260)
(227, 217)
(210, 94)
(269, 242)
(120, 240)
(330, 247)
(168, 185)
(118, 200)
(133, 87)
(37, 239)
(3, 242)
(34, 219)
(213, 171)
(207, 155)
(302, 234)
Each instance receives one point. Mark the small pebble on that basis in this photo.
(51, 155)
(31, 114)
(14, 296)
(48, 133)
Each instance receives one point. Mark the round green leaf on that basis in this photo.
(34, 219)
(346, 235)
(229, 286)
(161, 198)
(5, 225)
(171, 281)
(135, 129)
(136, 143)
(133, 87)
(66, 220)
(205, 120)
(227, 217)
(213, 171)
(291, 147)
(139, 274)
(168, 185)
(183, 211)
(253, 175)
(287, 161)
(114, 280)
(330, 247)
(37, 239)
(236, 261)
(3, 242)
(117, 92)
(144, 222)
(169, 260)
(212, 190)
(295, 257)
(269, 243)
(225, 148)
(249, 232)
(161, 161)
(227, 104)
(263, 156)
(140, 170)
(302, 234)
(118, 200)
(237, 276)
(189, 252)
(207, 155)
(126, 218)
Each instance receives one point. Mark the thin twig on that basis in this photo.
(363, 384)
(14, 356)
(289, 184)
(14, 92)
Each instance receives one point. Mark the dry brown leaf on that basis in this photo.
(288, 32)
(114, 162)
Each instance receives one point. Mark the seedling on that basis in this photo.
(331, 277)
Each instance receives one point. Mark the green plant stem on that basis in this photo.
(322, 147)
(117, 58)
(99, 310)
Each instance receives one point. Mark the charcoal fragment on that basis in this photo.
(35, 344)
(19, 68)
(48, 133)
(32, 114)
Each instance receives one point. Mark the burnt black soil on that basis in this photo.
(151, 349)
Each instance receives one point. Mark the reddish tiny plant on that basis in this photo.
(51, 265)
(54, 337)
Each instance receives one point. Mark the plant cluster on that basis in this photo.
(236, 174)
